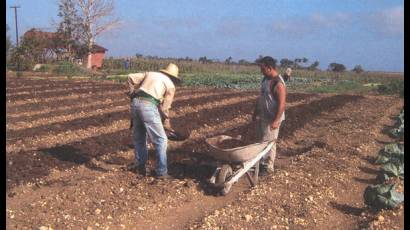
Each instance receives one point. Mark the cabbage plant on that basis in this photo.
(382, 196)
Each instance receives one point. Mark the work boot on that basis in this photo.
(164, 177)
(132, 166)
(140, 169)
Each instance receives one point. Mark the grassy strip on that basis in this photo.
(341, 86)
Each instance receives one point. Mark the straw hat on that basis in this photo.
(171, 70)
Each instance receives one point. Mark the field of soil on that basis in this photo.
(68, 141)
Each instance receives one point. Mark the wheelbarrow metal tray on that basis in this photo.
(236, 155)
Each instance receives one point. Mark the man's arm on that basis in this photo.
(255, 111)
(166, 106)
(134, 81)
(280, 94)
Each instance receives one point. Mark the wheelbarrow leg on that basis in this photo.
(253, 179)
(256, 174)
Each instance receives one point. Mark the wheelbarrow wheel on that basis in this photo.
(224, 174)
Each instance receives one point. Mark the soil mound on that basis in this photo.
(230, 143)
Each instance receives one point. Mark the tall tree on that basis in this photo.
(296, 63)
(69, 32)
(29, 52)
(336, 67)
(358, 69)
(284, 62)
(314, 65)
(204, 59)
(96, 17)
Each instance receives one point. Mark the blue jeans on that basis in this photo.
(147, 120)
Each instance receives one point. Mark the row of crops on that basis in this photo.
(304, 83)
(391, 159)
(318, 84)
(244, 81)
(398, 131)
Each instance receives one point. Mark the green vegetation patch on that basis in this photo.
(395, 86)
(341, 86)
(249, 77)
(382, 196)
(235, 81)
(68, 68)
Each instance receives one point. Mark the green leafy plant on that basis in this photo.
(398, 132)
(382, 196)
(67, 68)
(401, 116)
(236, 81)
(392, 87)
(391, 153)
(392, 169)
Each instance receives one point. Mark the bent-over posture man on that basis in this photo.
(287, 74)
(151, 96)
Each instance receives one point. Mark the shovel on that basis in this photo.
(172, 134)
(176, 136)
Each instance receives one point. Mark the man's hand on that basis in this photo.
(254, 116)
(163, 114)
(167, 125)
(275, 125)
(131, 124)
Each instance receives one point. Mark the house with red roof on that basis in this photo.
(56, 50)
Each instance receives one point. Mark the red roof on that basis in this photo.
(47, 36)
(39, 34)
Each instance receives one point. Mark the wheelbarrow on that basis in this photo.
(233, 163)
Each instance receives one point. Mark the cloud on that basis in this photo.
(329, 21)
(231, 28)
(388, 22)
(313, 24)
(179, 23)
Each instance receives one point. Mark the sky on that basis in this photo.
(369, 33)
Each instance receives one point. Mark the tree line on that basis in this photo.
(283, 62)
(297, 63)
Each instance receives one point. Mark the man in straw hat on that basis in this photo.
(287, 74)
(151, 96)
